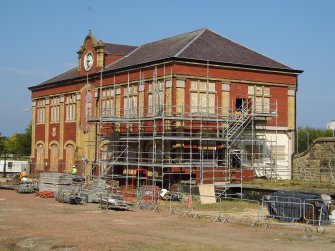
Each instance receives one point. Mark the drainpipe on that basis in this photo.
(295, 128)
(98, 105)
(295, 116)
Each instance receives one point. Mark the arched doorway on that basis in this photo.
(70, 154)
(40, 157)
(54, 153)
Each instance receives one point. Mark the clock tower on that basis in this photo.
(90, 55)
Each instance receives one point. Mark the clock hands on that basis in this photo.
(88, 61)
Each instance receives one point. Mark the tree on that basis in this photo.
(18, 144)
(24, 140)
(307, 135)
(3, 143)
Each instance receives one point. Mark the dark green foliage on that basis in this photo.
(2, 143)
(306, 136)
(18, 144)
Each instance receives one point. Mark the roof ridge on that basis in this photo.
(189, 43)
(178, 35)
(138, 47)
(120, 59)
(120, 44)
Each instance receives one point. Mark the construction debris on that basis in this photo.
(25, 188)
(70, 198)
(54, 182)
(68, 188)
(9, 186)
(113, 203)
(45, 195)
(8, 183)
(172, 196)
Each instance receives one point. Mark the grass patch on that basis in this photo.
(292, 184)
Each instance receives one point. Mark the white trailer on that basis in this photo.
(14, 166)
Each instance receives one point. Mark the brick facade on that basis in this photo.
(82, 133)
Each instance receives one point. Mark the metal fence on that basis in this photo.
(284, 211)
(290, 211)
(147, 198)
(218, 209)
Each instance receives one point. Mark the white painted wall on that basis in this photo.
(279, 167)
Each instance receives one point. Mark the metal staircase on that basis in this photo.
(237, 122)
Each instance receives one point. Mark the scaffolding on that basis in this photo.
(161, 145)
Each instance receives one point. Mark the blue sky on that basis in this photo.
(39, 39)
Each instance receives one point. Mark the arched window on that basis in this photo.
(54, 152)
(70, 154)
(40, 157)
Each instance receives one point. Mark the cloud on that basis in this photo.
(27, 72)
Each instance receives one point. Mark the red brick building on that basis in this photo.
(195, 105)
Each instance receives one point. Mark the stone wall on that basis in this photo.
(317, 162)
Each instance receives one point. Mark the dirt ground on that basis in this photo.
(28, 222)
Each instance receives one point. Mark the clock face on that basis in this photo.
(88, 61)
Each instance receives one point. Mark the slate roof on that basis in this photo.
(70, 74)
(151, 52)
(213, 47)
(118, 49)
(200, 45)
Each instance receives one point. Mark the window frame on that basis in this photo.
(130, 99)
(70, 108)
(55, 109)
(204, 92)
(107, 102)
(41, 106)
(156, 99)
(261, 98)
